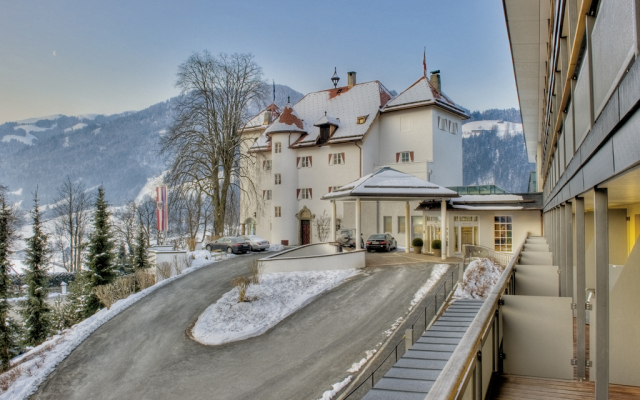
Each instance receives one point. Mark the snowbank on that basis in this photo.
(277, 296)
(479, 278)
(275, 247)
(39, 362)
(328, 395)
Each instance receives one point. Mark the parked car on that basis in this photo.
(256, 242)
(230, 245)
(346, 238)
(381, 241)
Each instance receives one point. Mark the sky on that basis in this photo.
(75, 56)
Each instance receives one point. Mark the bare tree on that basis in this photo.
(125, 224)
(323, 226)
(72, 212)
(146, 211)
(205, 139)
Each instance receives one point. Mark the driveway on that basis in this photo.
(145, 353)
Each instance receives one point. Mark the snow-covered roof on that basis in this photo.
(288, 121)
(488, 198)
(489, 202)
(390, 184)
(258, 120)
(327, 120)
(504, 128)
(423, 93)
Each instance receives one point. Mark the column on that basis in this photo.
(601, 239)
(443, 227)
(562, 250)
(407, 227)
(358, 227)
(333, 221)
(568, 247)
(581, 286)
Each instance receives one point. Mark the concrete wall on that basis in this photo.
(315, 257)
(159, 256)
(447, 152)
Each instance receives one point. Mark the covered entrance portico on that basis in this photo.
(388, 184)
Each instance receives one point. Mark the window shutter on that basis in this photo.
(330, 189)
(297, 161)
(311, 161)
(263, 164)
(343, 161)
(330, 156)
(411, 155)
(263, 193)
(310, 193)
(297, 193)
(397, 157)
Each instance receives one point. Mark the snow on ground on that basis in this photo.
(275, 247)
(27, 139)
(36, 119)
(33, 128)
(89, 116)
(355, 367)
(479, 278)
(476, 127)
(437, 272)
(76, 127)
(328, 395)
(17, 192)
(149, 188)
(277, 296)
(42, 360)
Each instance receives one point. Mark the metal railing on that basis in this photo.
(470, 251)
(419, 325)
(465, 364)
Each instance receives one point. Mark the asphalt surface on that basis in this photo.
(145, 353)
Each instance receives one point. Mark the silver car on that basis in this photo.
(256, 242)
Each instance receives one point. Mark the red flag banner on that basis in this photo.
(161, 208)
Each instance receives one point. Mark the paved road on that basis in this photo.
(144, 353)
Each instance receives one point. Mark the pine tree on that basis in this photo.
(9, 330)
(36, 312)
(141, 255)
(100, 260)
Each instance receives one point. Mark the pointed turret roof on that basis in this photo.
(421, 93)
(288, 121)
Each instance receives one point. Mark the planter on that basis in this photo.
(437, 252)
(417, 249)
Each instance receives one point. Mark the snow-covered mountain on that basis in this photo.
(118, 151)
(494, 154)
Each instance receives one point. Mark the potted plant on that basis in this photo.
(436, 245)
(417, 245)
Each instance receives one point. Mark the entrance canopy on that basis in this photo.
(388, 184)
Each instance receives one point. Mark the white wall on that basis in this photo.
(447, 150)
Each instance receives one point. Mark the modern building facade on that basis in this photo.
(579, 90)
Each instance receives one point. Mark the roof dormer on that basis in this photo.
(328, 125)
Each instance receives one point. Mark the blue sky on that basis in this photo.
(73, 57)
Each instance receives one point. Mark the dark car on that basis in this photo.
(230, 245)
(381, 241)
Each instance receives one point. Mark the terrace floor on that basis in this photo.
(512, 387)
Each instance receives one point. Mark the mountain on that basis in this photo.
(118, 151)
(507, 115)
(494, 153)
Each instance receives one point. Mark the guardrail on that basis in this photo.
(465, 364)
(470, 251)
(419, 325)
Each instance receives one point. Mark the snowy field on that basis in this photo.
(277, 296)
(38, 363)
(479, 278)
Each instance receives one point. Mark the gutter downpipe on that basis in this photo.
(356, 143)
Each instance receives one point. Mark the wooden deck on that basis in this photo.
(513, 387)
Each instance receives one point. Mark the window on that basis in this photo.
(278, 179)
(503, 233)
(453, 127)
(334, 188)
(401, 225)
(266, 165)
(447, 125)
(387, 224)
(405, 124)
(278, 148)
(442, 124)
(336, 159)
(304, 194)
(362, 120)
(277, 211)
(404, 157)
(268, 194)
(304, 162)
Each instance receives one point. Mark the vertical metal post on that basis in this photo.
(358, 223)
(581, 285)
(569, 248)
(601, 239)
(333, 220)
(479, 372)
(407, 226)
(562, 250)
(443, 228)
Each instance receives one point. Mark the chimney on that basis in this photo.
(435, 80)
(267, 117)
(351, 78)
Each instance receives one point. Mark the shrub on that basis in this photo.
(164, 269)
(191, 243)
(255, 270)
(436, 244)
(242, 283)
(144, 279)
(417, 242)
(7, 379)
(123, 287)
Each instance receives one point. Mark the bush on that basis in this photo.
(255, 270)
(242, 283)
(164, 269)
(123, 287)
(436, 244)
(417, 242)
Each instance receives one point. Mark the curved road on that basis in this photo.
(144, 352)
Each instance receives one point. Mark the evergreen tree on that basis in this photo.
(9, 330)
(36, 312)
(141, 255)
(100, 260)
